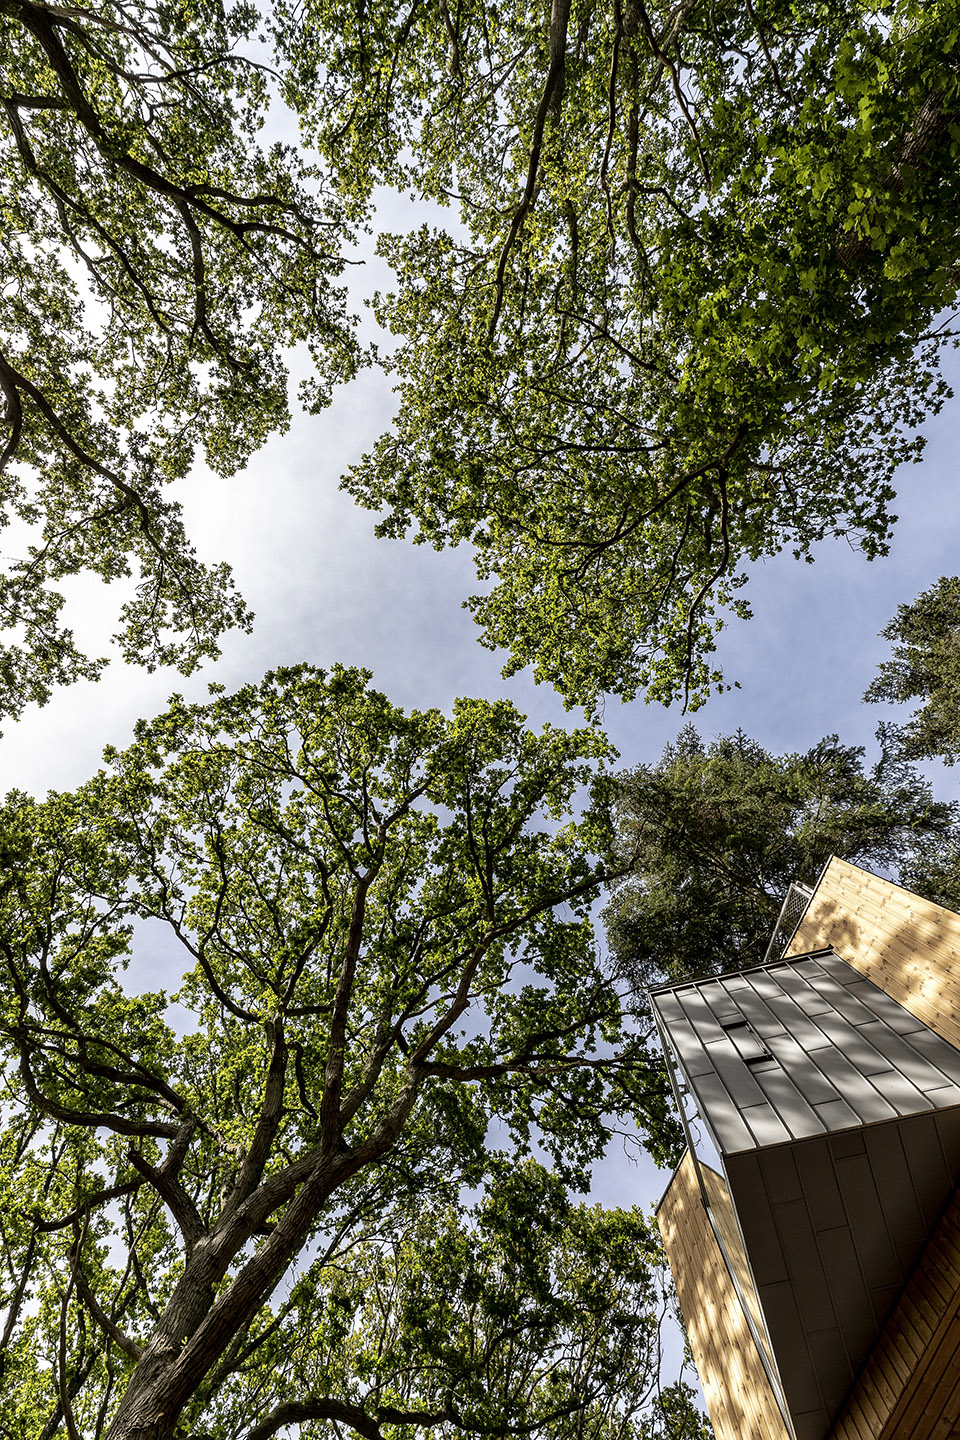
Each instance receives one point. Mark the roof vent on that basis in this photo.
(749, 1046)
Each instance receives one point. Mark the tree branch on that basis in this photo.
(298, 1412)
(109, 1328)
(336, 1052)
(82, 1211)
(271, 1114)
(552, 90)
(91, 1119)
(164, 1180)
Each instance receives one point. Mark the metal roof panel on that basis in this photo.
(803, 1068)
(790, 1049)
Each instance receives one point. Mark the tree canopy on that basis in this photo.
(722, 830)
(159, 257)
(926, 667)
(249, 1212)
(686, 313)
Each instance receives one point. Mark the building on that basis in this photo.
(813, 1226)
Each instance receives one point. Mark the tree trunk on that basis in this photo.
(197, 1328)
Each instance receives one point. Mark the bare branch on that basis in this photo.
(109, 1328)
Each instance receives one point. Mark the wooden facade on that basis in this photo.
(906, 945)
(908, 1388)
(739, 1398)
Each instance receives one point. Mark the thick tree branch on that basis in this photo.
(294, 1412)
(164, 1179)
(271, 1114)
(42, 24)
(298, 1412)
(336, 1051)
(90, 1119)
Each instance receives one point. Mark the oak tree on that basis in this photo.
(307, 1195)
(160, 254)
(687, 309)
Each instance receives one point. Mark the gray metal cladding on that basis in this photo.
(832, 1227)
(800, 1048)
(836, 1114)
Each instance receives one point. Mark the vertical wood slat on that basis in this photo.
(921, 1341)
(739, 1399)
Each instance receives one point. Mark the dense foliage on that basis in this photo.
(926, 667)
(720, 831)
(685, 312)
(248, 1212)
(684, 315)
(158, 258)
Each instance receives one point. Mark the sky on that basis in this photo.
(325, 589)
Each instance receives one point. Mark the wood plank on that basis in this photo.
(875, 1384)
(927, 1396)
(945, 1422)
(906, 944)
(913, 1375)
(739, 1399)
(948, 1421)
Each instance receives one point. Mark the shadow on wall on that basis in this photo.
(908, 946)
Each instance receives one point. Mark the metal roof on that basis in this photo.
(801, 1048)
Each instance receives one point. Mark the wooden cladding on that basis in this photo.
(909, 1389)
(906, 945)
(741, 1403)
